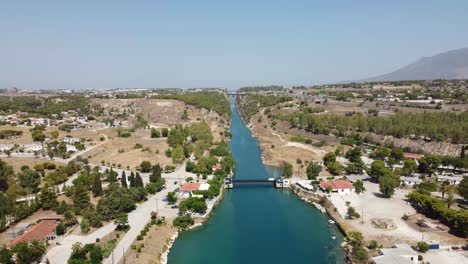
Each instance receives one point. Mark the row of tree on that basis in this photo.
(430, 125)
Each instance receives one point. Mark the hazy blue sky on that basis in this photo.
(106, 44)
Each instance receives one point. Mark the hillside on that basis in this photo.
(448, 65)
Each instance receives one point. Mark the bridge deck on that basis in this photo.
(252, 180)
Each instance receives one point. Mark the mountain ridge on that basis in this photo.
(452, 64)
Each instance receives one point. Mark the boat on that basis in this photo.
(331, 221)
(333, 237)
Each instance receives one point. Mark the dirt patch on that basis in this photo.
(16, 162)
(124, 151)
(155, 242)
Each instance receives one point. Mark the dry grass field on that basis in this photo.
(17, 163)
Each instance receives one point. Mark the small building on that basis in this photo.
(71, 140)
(339, 186)
(409, 181)
(216, 167)
(34, 147)
(45, 230)
(453, 180)
(71, 148)
(192, 187)
(17, 230)
(413, 156)
(398, 254)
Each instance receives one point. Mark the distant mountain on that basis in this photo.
(448, 65)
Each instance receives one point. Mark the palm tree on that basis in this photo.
(444, 187)
(37, 249)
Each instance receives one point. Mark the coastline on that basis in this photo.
(199, 222)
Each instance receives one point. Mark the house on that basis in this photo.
(339, 186)
(413, 156)
(192, 187)
(45, 230)
(82, 119)
(398, 254)
(34, 147)
(71, 148)
(409, 181)
(71, 140)
(454, 180)
(216, 167)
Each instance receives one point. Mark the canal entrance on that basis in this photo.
(256, 223)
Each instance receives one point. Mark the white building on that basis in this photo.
(71, 140)
(342, 187)
(454, 180)
(410, 181)
(33, 147)
(399, 254)
(71, 148)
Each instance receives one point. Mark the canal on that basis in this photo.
(257, 223)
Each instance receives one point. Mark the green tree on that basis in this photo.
(176, 137)
(387, 184)
(359, 186)
(380, 153)
(155, 133)
(428, 164)
(145, 166)
(287, 169)
(165, 132)
(29, 179)
(178, 154)
(138, 180)
(5, 256)
(123, 180)
(84, 226)
(80, 199)
(121, 220)
(6, 171)
(409, 167)
(378, 170)
(397, 154)
(171, 198)
(26, 254)
(48, 199)
(354, 154)
(335, 168)
(328, 158)
(97, 185)
(423, 246)
(463, 188)
(313, 170)
(156, 173)
(183, 222)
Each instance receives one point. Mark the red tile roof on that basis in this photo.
(412, 156)
(190, 187)
(217, 166)
(336, 185)
(38, 232)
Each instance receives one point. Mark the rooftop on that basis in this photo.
(337, 185)
(384, 259)
(38, 232)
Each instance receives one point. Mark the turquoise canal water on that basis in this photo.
(257, 223)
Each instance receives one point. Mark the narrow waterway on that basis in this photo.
(257, 223)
